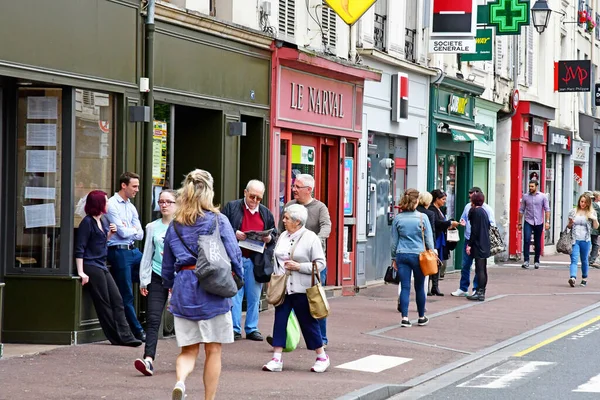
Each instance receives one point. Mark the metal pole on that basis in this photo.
(593, 72)
(149, 126)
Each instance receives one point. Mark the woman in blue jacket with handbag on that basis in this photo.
(200, 317)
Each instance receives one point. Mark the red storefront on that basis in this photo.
(316, 123)
(528, 161)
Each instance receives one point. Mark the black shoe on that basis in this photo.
(398, 308)
(141, 335)
(423, 321)
(479, 295)
(429, 294)
(405, 323)
(436, 291)
(237, 336)
(256, 336)
(133, 343)
(270, 340)
(583, 283)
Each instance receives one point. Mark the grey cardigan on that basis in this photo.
(146, 263)
(307, 250)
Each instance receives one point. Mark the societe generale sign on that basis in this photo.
(350, 10)
(452, 45)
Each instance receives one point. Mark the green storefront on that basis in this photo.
(453, 134)
(67, 88)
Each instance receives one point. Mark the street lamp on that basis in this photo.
(540, 13)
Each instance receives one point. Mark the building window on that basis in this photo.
(287, 17)
(409, 44)
(329, 25)
(94, 138)
(379, 33)
(38, 173)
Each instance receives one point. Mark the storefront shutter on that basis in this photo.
(396, 21)
(287, 17)
(329, 25)
(499, 56)
(529, 49)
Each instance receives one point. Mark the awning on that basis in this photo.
(464, 134)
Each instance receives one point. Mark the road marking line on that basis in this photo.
(374, 363)
(555, 338)
(503, 376)
(591, 386)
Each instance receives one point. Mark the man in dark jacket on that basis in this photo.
(247, 214)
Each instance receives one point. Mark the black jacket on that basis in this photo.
(480, 233)
(263, 263)
(430, 215)
(441, 229)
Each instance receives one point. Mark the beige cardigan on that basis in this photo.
(307, 250)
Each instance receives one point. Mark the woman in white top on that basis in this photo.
(151, 280)
(581, 220)
(295, 252)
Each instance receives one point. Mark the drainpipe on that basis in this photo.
(149, 126)
(353, 35)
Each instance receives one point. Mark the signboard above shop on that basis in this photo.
(454, 45)
(453, 26)
(573, 76)
(483, 47)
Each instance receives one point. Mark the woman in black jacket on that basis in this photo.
(441, 228)
(431, 284)
(478, 245)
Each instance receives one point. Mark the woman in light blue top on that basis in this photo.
(151, 280)
(409, 229)
(581, 220)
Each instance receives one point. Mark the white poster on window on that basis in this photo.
(43, 193)
(40, 161)
(41, 135)
(39, 215)
(42, 107)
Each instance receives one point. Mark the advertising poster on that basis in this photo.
(159, 153)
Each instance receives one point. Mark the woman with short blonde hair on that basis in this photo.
(200, 317)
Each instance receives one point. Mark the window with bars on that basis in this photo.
(329, 25)
(287, 17)
(379, 33)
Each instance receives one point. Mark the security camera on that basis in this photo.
(387, 163)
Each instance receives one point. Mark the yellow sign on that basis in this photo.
(159, 153)
(350, 10)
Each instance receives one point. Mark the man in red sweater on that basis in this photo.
(247, 214)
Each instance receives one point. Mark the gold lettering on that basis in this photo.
(300, 97)
(336, 106)
(293, 96)
(325, 105)
(341, 113)
(313, 101)
(318, 105)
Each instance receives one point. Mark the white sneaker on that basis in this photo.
(274, 365)
(459, 293)
(320, 365)
(178, 391)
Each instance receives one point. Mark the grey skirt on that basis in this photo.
(218, 329)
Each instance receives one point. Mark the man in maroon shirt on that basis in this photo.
(247, 214)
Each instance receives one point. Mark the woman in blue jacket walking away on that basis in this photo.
(408, 229)
(200, 317)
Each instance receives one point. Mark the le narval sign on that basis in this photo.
(573, 76)
(350, 10)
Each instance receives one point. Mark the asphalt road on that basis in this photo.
(567, 368)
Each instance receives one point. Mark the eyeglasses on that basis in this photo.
(298, 187)
(254, 197)
(166, 202)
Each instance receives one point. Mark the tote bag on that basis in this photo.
(428, 259)
(452, 235)
(317, 300)
(278, 283)
(565, 243)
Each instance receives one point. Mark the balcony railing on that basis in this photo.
(409, 44)
(379, 32)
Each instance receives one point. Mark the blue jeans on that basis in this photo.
(409, 264)
(581, 250)
(323, 322)
(125, 268)
(537, 231)
(465, 272)
(252, 289)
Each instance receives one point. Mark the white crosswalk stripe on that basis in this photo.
(507, 374)
(591, 386)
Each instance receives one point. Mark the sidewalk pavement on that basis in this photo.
(361, 326)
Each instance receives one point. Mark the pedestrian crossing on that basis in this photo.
(514, 373)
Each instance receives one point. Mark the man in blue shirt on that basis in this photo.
(467, 260)
(123, 256)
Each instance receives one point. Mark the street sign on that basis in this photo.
(573, 76)
(483, 47)
(350, 10)
(508, 16)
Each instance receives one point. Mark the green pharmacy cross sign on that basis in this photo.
(508, 16)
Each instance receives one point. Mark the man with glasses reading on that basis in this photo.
(247, 214)
(318, 221)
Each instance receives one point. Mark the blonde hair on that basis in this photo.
(409, 200)
(195, 197)
(588, 200)
(425, 199)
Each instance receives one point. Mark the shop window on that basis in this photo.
(38, 178)
(303, 162)
(94, 138)
(550, 170)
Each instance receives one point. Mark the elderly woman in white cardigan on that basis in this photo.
(296, 250)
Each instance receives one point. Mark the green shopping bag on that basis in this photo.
(292, 333)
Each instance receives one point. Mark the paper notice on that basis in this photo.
(44, 193)
(254, 245)
(41, 135)
(41, 107)
(40, 161)
(39, 215)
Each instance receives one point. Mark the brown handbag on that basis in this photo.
(278, 283)
(317, 300)
(428, 259)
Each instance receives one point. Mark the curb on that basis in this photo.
(375, 392)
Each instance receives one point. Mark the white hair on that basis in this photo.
(256, 184)
(307, 179)
(297, 212)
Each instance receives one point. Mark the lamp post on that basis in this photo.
(540, 13)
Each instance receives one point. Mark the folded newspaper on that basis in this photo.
(254, 240)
